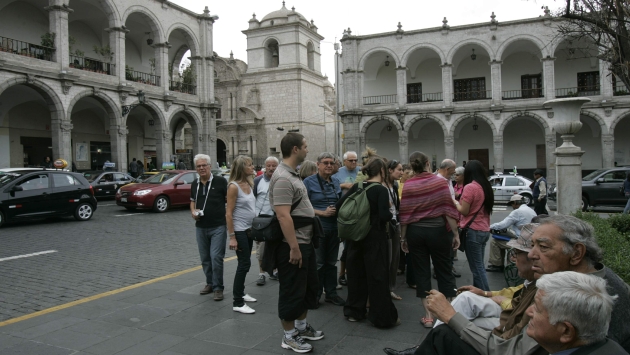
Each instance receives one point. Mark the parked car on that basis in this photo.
(601, 188)
(28, 194)
(166, 189)
(106, 183)
(507, 185)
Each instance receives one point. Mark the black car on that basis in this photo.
(601, 188)
(28, 194)
(106, 183)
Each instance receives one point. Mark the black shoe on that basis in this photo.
(455, 273)
(336, 300)
(409, 351)
(316, 306)
(494, 268)
(342, 280)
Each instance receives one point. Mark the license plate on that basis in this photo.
(123, 199)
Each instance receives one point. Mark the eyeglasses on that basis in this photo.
(327, 162)
(202, 166)
(513, 253)
(352, 160)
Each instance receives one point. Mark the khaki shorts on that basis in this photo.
(260, 249)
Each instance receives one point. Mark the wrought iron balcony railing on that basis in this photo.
(93, 65)
(380, 99)
(179, 86)
(26, 49)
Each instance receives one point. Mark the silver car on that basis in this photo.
(507, 185)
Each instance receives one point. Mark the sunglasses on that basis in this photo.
(352, 160)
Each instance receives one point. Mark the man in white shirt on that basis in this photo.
(446, 170)
(520, 216)
(261, 192)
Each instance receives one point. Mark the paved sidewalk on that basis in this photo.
(169, 317)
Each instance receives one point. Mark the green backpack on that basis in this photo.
(353, 218)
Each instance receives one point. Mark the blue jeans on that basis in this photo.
(326, 256)
(244, 255)
(475, 252)
(211, 243)
(627, 209)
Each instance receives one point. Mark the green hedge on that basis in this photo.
(613, 236)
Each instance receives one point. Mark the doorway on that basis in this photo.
(35, 150)
(482, 155)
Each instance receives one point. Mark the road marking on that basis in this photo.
(104, 294)
(127, 215)
(28, 255)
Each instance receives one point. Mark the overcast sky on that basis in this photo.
(363, 17)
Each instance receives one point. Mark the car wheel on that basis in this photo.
(84, 212)
(1, 218)
(584, 204)
(161, 204)
(527, 199)
(130, 208)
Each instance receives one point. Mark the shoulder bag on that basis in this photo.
(266, 228)
(464, 231)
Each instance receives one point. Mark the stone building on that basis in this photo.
(67, 68)
(280, 89)
(477, 92)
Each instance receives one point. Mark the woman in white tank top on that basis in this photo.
(240, 212)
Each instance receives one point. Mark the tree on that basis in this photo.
(604, 24)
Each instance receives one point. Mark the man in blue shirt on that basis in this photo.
(323, 192)
(348, 173)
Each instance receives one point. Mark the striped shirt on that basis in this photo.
(285, 189)
(426, 196)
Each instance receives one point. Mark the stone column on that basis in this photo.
(447, 84)
(495, 72)
(161, 64)
(605, 78)
(498, 154)
(212, 134)
(117, 43)
(568, 156)
(208, 85)
(550, 148)
(58, 24)
(401, 86)
(608, 151)
(449, 147)
(163, 145)
(60, 131)
(549, 78)
(118, 140)
(351, 132)
(403, 147)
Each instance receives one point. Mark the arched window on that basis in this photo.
(310, 49)
(272, 54)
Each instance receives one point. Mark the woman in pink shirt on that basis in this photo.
(475, 204)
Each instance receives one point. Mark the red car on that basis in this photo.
(160, 192)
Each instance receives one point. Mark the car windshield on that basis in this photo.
(91, 175)
(592, 175)
(6, 178)
(162, 178)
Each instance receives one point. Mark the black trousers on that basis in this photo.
(367, 268)
(442, 340)
(540, 206)
(298, 285)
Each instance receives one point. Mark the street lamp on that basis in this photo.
(127, 108)
(325, 140)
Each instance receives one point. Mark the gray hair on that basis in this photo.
(345, 155)
(202, 157)
(447, 163)
(579, 299)
(576, 231)
(272, 158)
(325, 155)
(460, 170)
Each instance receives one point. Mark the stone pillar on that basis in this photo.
(60, 131)
(161, 64)
(117, 43)
(447, 84)
(605, 78)
(403, 147)
(449, 148)
(549, 78)
(163, 145)
(568, 156)
(401, 86)
(498, 154)
(608, 151)
(495, 72)
(351, 133)
(58, 24)
(118, 140)
(550, 148)
(212, 134)
(208, 84)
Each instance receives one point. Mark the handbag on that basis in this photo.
(464, 231)
(266, 228)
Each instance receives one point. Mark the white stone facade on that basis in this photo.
(424, 90)
(54, 101)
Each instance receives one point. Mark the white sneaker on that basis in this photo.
(244, 309)
(248, 298)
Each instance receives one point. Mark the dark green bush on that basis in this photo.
(616, 246)
(621, 222)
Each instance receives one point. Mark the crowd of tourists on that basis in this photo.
(415, 221)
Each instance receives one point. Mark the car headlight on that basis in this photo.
(141, 192)
(118, 192)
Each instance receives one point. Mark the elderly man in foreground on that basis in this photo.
(560, 243)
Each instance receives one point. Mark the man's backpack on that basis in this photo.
(353, 218)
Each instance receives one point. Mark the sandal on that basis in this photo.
(427, 322)
(395, 296)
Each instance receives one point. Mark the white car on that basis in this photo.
(507, 185)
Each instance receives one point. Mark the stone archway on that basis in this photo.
(382, 133)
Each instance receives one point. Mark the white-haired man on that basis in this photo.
(261, 192)
(207, 206)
